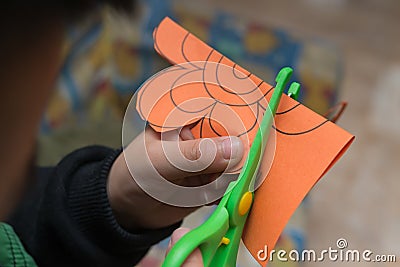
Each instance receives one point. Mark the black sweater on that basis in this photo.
(66, 219)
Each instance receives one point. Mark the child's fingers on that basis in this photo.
(178, 134)
(186, 134)
(176, 235)
(177, 159)
(195, 259)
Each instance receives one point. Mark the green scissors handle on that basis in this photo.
(219, 236)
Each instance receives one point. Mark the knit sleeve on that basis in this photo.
(67, 220)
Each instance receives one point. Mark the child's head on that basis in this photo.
(30, 56)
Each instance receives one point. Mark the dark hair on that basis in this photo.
(73, 9)
(68, 9)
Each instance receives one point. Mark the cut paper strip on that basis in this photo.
(307, 144)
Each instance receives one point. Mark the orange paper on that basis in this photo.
(307, 144)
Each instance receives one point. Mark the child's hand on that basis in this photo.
(195, 259)
(132, 207)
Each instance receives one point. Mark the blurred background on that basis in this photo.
(340, 50)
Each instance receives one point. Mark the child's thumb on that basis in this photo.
(198, 156)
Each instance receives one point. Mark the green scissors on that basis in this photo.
(219, 236)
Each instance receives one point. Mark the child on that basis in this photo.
(86, 211)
